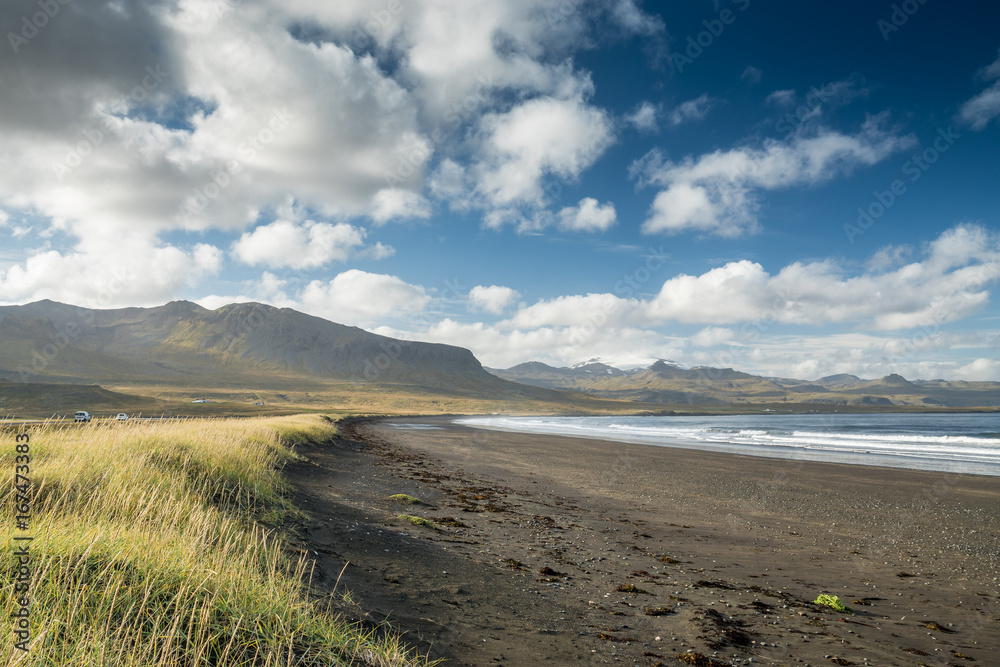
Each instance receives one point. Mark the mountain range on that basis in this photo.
(182, 348)
(247, 347)
(182, 342)
(667, 382)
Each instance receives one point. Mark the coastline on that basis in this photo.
(750, 542)
(813, 437)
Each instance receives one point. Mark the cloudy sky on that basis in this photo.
(788, 188)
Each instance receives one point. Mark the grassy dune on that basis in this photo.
(151, 549)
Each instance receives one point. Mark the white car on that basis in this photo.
(122, 417)
(81, 416)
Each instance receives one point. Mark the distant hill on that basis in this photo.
(839, 381)
(892, 381)
(543, 375)
(667, 382)
(46, 399)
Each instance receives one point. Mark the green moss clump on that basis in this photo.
(405, 498)
(417, 521)
(833, 602)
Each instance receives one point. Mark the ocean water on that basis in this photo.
(959, 443)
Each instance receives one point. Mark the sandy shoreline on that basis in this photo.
(558, 549)
(844, 446)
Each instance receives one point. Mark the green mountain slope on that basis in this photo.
(241, 345)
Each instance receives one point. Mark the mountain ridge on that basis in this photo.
(669, 382)
(182, 342)
(251, 345)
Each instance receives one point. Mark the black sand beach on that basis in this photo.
(556, 550)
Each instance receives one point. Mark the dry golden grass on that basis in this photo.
(151, 548)
(334, 398)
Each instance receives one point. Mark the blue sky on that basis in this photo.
(787, 188)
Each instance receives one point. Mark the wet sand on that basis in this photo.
(558, 550)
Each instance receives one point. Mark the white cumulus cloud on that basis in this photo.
(744, 313)
(717, 193)
(396, 203)
(982, 369)
(590, 310)
(362, 298)
(588, 216)
(492, 299)
(949, 283)
(712, 336)
(147, 121)
(541, 137)
(128, 272)
(287, 244)
(352, 297)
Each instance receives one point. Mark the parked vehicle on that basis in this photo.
(82, 416)
(122, 417)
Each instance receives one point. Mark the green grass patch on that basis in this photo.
(160, 544)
